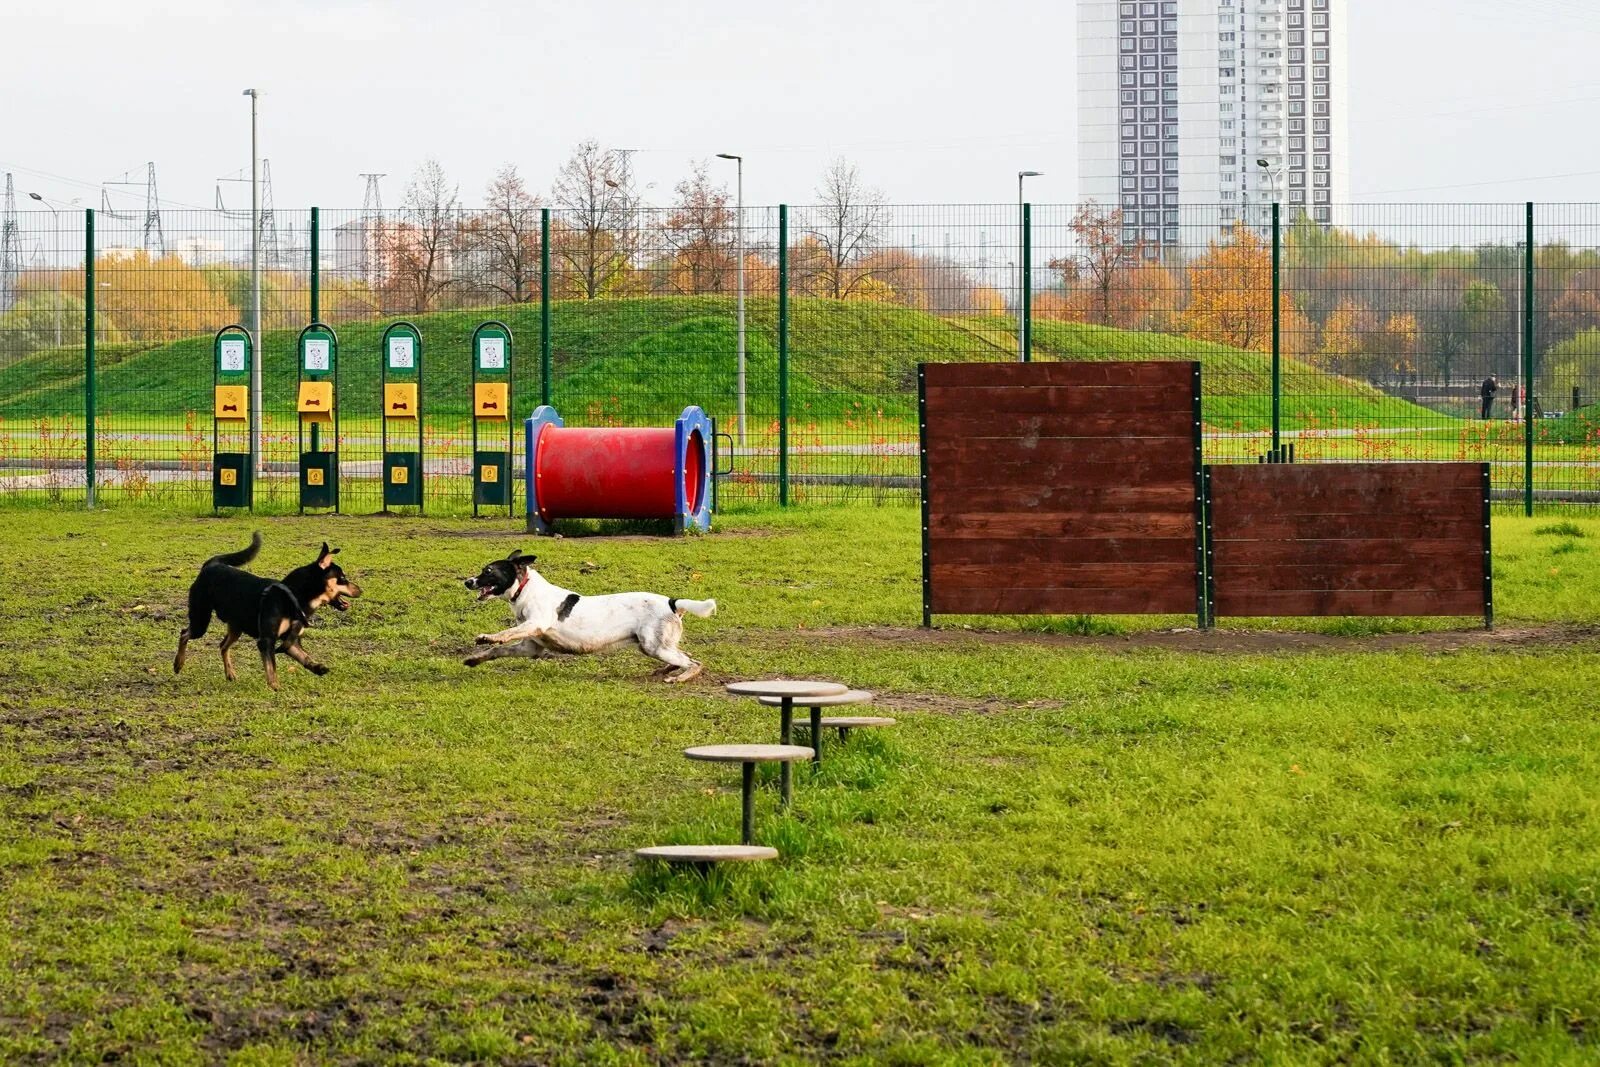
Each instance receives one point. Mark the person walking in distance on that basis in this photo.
(1491, 385)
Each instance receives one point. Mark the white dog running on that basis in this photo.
(551, 619)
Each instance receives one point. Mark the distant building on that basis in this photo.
(1180, 102)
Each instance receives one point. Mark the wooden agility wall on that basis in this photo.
(1349, 539)
(1061, 488)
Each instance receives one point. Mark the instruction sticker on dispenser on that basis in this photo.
(491, 353)
(230, 356)
(402, 353)
(318, 355)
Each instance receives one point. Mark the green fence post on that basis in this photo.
(544, 306)
(316, 266)
(1277, 329)
(1527, 368)
(88, 356)
(1027, 283)
(783, 355)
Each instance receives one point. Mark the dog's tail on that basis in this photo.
(241, 557)
(703, 608)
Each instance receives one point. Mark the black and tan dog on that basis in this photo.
(274, 613)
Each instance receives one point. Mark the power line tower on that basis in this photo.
(269, 225)
(10, 248)
(154, 241)
(371, 232)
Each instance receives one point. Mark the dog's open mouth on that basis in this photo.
(339, 603)
(484, 592)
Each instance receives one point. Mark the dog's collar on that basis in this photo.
(520, 587)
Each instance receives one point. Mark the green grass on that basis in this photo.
(1369, 842)
(636, 360)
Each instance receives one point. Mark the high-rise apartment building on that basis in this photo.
(1202, 113)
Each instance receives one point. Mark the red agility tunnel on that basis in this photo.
(613, 472)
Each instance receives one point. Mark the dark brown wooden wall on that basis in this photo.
(1349, 539)
(1061, 488)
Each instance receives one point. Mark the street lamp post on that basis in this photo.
(56, 262)
(255, 291)
(1274, 175)
(738, 230)
(1022, 268)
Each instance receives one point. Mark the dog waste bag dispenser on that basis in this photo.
(402, 415)
(318, 432)
(231, 469)
(491, 415)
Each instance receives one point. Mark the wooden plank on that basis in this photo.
(1087, 522)
(1064, 575)
(1345, 552)
(976, 471)
(1069, 400)
(1235, 524)
(1317, 576)
(1332, 602)
(1169, 454)
(1315, 480)
(1039, 550)
(1113, 495)
(1262, 500)
(1026, 601)
(970, 424)
(1143, 374)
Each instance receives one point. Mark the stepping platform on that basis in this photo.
(816, 704)
(707, 853)
(845, 723)
(747, 756)
(748, 753)
(786, 688)
(849, 696)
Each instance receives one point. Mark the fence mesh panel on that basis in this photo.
(1400, 332)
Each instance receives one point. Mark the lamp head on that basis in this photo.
(36, 196)
(1030, 173)
(729, 155)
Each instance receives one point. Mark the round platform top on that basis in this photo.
(849, 696)
(856, 720)
(748, 753)
(707, 853)
(793, 688)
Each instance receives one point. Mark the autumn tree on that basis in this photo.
(154, 298)
(594, 191)
(700, 232)
(1230, 293)
(504, 239)
(420, 250)
(1343, 345)
(1104, 267)
(847, 228)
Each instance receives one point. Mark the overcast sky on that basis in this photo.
(937, 101)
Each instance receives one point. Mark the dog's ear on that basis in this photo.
(325, 556)
(520, 561)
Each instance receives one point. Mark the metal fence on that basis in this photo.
(1377, 338)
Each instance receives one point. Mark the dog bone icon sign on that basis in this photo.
(488, 404)
(230, 407)
(312, 402)
(400, 405)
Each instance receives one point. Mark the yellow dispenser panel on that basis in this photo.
(316, 398)
(400, 400)
(399, 475)
(233, 402)
(489, 472)
(491, 400)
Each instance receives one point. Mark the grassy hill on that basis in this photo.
(644, 359)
